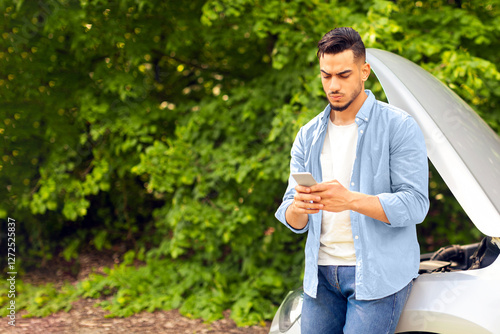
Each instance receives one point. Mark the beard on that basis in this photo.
(353, 96)
(341, 108)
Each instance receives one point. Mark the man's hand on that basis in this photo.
(304, 203)
(336, 198)
(333, 195)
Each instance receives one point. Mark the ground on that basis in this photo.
(85, 318)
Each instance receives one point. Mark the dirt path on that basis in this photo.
(85, 318)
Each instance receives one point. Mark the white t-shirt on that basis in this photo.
(337, 160)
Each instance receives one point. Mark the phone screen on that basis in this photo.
(304, 179)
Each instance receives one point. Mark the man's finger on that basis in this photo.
(303, 189)
(306, 207)
(324, 186)
(307, 197)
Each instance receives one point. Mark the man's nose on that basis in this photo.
(334, 85)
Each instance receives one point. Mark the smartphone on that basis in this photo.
(304, 179)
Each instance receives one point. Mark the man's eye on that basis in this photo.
(345, 76)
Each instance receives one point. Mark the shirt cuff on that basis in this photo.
(395, 212)
(281, 216)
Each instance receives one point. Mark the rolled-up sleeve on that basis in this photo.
(408, 201)
(296, 165)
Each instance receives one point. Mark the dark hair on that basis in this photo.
(341, 39)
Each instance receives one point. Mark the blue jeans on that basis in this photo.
(336, 310)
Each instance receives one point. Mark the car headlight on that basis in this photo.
(291, 310)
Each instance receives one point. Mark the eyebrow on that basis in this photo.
(339, 73)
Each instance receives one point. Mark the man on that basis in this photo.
(370, 161)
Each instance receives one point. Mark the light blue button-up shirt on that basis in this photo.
(391, 163)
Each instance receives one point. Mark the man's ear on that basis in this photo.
(365, 71)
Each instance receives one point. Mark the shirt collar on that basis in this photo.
(364, 113)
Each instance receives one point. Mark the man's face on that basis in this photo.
(343, 79)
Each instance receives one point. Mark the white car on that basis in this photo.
(458, 290)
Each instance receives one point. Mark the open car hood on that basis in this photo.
(462, 147)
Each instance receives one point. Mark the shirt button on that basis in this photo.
(352, 183)
(360, 131)
(359, 264)
(356, 237)
(366, 118)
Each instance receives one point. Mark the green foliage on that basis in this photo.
(38, 301)
(167, 126)
(198, 291)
